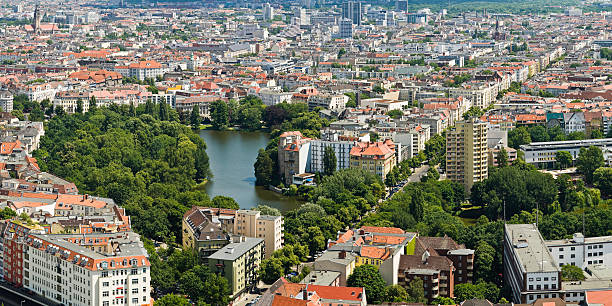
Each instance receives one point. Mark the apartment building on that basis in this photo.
(293, 155)
(327, 101)
(341, 145)
(201, 234)
(238, 262)
(529, 268)
(467, 153)
(6, 101)
(252, 223)
(436, 272)
(97, 269)
(375, 157)
(145, 70)
(207, 230)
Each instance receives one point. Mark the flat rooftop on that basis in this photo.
(530, 248)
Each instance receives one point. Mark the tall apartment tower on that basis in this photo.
(467, 153)
(268, 12)
(353, 11)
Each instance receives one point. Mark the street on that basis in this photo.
(8, 298)
(414, 177)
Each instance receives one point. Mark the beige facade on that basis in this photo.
(467, 153)
(377, 158)
(251, 223)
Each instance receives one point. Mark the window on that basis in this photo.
(105, 284)
(530, 287)
(561, 256)
(135, 300)
(134, 290)
(104, 293)
(560, 249)
(105, 303)
(104, 273)
(573, 256)
(572, 248)
(590, 247)
(134, 281)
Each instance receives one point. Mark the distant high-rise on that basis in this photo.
(467, 153)
(352, 10)
(346, 28)
(401, 5)
(37, 19)
(268, 12)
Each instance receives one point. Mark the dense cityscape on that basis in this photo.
(307, 153)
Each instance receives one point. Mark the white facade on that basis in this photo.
(272, 97)
(581, 252)
(341, 148)
(73, 282)
(544, 152)
(332, 102)
(6, 101)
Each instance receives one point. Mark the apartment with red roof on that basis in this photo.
(375, 157)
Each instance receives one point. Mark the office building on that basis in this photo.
(401, 6)
(582, 252)
(543, 153)
(238, 263)
(346, 28)
(467, 153)
(529, 268)
(352, 10)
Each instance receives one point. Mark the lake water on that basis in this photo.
(232, 155)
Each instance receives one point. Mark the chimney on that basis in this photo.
(342, 255)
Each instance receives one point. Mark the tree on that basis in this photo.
(79, 108)
(395, 293)
(368, 277)
(416, 205)
(602, 179)
(597, 134)
(564, 159)
(224, 202)
(481, 290)
(271, 270)
(571, 273)
(329, 160)
(264, 169)
(267, 210)
(443, 301)
(341, 52)
(483, 261)
(502, 158)
(219, 115)
(149, 107)
(518, 137)
(474, 111)
(172, 300)
(194, 118)
(164, 110)
(7, 213)
(415, 291)
(588, 161)
(539, 133)
(395, 114)
(92, 104)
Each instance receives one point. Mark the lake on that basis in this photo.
(232, 155)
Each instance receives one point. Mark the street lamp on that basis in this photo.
(22, 302)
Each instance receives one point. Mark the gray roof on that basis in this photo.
(233, 251)
(321, 278)
(530, 248)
